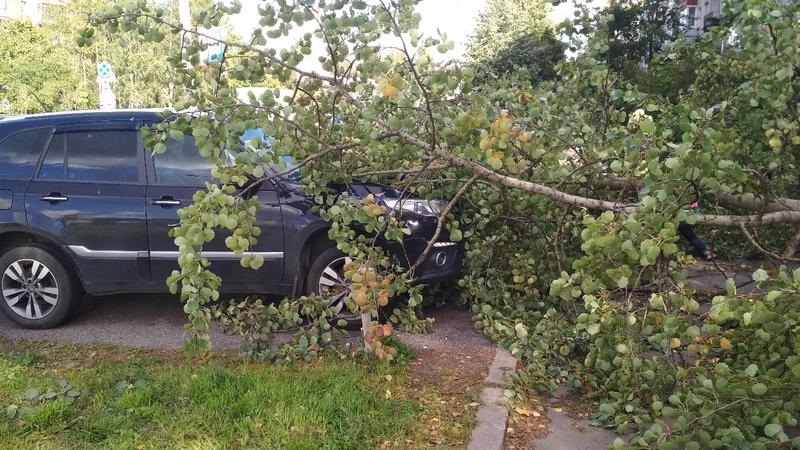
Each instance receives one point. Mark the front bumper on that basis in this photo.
(442, 263)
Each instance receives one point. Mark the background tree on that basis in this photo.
(47, 70)
(570, 192)
(34, 76)
(142, 68)
(515, 34)
(638, 30)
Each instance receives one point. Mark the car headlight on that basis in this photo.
(422, 207)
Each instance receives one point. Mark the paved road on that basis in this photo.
(157, 321)
(144, 321)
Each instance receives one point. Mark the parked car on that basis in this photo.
(85, 208)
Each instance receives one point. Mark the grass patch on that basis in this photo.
(132, 399)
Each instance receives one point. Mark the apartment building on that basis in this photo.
(700, 15)
(33, 10)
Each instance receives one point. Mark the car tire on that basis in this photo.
(36, 289)
(325, 270)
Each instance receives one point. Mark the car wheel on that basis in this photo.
(37, 290)
(326, 279)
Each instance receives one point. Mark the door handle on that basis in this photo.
(54, 197)
(166, 201)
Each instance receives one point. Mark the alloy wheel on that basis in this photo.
(30, 289)
(334, 286)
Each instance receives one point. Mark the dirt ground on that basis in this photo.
(456, 358)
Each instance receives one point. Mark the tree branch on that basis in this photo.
(441, 221)
(775, 212)
(791, 248)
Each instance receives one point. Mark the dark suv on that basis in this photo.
(84, 207)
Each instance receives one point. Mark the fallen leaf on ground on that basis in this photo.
(524, 411)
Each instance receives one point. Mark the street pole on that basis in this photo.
(185, 14)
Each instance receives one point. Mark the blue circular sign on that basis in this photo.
(104, 70)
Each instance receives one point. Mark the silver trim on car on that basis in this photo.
(218, 255)
(84, 252)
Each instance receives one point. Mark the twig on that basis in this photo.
(760, 248)
(441, 221)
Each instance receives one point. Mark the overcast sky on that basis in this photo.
(456, 18)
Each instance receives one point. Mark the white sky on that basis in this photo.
(457, 22)
(456, 18)
(565, 10)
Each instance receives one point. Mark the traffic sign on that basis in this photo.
(104, 70)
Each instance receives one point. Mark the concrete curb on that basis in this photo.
(492, 416)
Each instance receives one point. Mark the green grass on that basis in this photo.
(182, 403)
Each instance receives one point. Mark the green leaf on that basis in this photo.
(456, 236)
(176, 134)
(521, 330)
(760, 275)
(672, 163)
(593, 328)
(256, 262)
(759, 389)
(31, 394)
(258, 171)
(11, 411)
(647, 126)
(730, 286)
(773, 429)
(159, 148)
(751, 370)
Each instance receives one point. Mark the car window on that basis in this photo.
(20, 153)
(182, 165)
(103, 156)
(53, 164)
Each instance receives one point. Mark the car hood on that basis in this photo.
(356, 189)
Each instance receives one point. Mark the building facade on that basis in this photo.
(700, 15)
(33, 10)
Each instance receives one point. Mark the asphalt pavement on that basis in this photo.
(156, 321)
(131, 320)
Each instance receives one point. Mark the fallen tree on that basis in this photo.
(570, 194)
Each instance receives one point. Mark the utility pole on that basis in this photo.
(185, 14)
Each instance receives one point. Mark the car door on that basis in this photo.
(174, 177)
(19, 154)
(89, 195)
